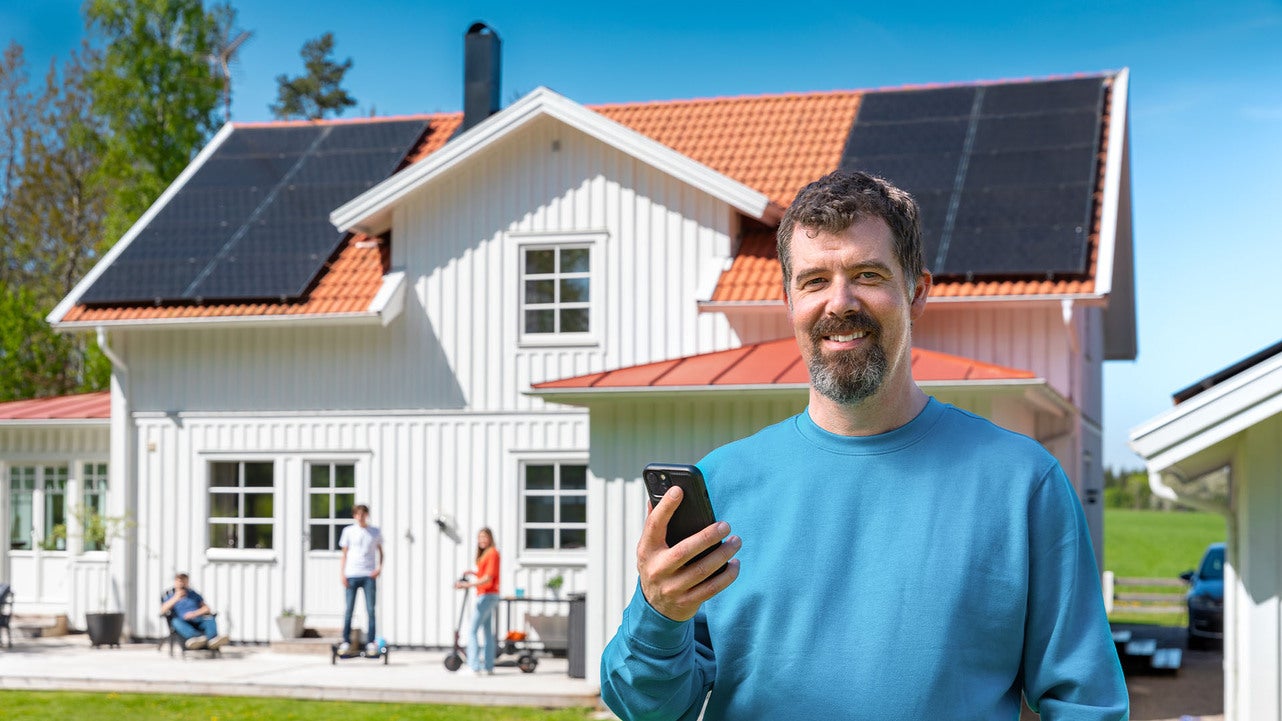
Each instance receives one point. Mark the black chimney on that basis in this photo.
(480, 74)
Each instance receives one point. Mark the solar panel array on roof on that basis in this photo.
(1004, 174)
(252, 223)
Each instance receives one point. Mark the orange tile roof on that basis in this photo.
(776, 362)
(772, 143)
(84, 406)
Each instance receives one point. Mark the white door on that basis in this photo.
(330, 488)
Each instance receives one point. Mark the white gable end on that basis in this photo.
(370, 211)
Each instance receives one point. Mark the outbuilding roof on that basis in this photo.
(81, 407)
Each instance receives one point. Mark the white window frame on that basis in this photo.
(95, 481)
(594, 243)
(239, 490)
(550, 555)
(42, 525)
(337, 523)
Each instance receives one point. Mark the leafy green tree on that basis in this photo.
(51, 213)
(319, 92)
(155, 89)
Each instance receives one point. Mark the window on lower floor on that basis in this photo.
(94, 496)
(554, 506)
(38, 507)
(242, 497)
(331, 496)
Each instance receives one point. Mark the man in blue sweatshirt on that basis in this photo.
(894, 557)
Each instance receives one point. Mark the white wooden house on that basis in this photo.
(489, 299)
(53, 462)
(1219, 449)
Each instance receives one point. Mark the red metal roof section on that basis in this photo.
(78, 407)
(776, 362)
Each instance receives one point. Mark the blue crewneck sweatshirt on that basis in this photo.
(932, 572)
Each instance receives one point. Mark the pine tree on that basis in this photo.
(319, 92)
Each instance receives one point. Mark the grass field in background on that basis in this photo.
(1156, 544)
(40, 705)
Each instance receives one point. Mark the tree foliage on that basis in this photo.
(52, 202)
(319, 91)
(156, 94)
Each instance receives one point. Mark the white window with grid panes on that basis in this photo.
(331, 496)
(242, 497)
(38, 507)
(93, 493)
(554, 506)
(560, 294)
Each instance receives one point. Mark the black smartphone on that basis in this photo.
(695, 512)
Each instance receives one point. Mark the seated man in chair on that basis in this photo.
(192, 617)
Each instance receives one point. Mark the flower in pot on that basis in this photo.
(290, 623)
(554, 585)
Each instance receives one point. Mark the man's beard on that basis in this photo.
(850, 376)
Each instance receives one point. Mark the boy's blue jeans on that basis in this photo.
(367, 584)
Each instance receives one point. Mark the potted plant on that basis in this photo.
(290, 623)
(554, 585)
(99, 531)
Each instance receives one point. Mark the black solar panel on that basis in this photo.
(1004, 174)
(252, 223)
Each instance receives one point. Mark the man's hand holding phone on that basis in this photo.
(674, 583)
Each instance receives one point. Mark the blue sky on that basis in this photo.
(1206, 111)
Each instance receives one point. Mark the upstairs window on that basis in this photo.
(559, 285)
(557, 290)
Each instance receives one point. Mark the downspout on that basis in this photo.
(120, 474)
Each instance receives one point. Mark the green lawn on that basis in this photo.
(41, 705)
(1156, 544)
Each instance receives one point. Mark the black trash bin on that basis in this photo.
(577, 636)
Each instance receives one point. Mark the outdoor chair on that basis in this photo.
(176, 639)
(6, 613)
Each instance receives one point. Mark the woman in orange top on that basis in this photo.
(485, 579)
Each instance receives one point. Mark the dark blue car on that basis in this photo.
(1206, 598)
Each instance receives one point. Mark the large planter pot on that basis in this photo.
(290, 626)
(104, 628)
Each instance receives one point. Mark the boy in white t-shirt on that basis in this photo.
(362, 562)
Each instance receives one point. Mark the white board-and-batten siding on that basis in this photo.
(409, 469)
(431, 407)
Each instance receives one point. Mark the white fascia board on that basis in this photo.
(237, 321)
(1112, 183)
(1048, 299)
(369, 211)
(390, 299)
(583, 396)
(59, 311)
(1211, 416)
(54, 422)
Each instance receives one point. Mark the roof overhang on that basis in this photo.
(1034, 390)
(1187, 446)
(371, 211)
(387, 304)
(985, 301)
(71, 299)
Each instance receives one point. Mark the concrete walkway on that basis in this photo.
(70, 663)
